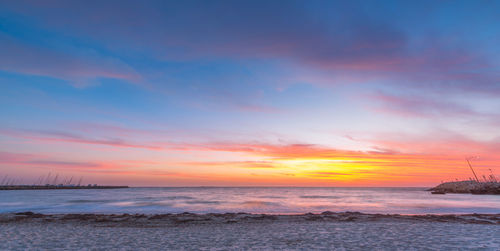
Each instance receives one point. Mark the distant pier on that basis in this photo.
(54, 187)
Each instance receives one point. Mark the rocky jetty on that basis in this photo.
(468, 186)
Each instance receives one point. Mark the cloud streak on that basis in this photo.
(79, 67)
(59, 136)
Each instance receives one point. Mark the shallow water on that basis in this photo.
(250, 199)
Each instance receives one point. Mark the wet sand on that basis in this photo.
(243, 231)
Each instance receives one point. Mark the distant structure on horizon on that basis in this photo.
(46, 183)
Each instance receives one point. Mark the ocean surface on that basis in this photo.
(246, 199)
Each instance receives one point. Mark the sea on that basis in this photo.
(269, 200)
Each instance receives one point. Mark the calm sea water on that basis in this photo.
(252, 200)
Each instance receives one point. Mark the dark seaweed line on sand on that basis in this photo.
(217, 218)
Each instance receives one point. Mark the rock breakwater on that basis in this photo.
(468, 186)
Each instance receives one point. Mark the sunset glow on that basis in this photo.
(368, 94)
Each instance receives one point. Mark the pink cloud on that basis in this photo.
(239, 164)
(7, 157)
(57, 136)
(103, 167)
(418, 106)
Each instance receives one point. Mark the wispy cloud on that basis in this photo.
(420, 106)
(231, 164)
(80, 67)
(49, 163)
(60, 136)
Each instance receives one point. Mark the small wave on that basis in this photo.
(179, 198)
(318, 197)
(258, 203)
(203, 202)
(89, 201)
(140, 204)
(11, 204)
(272, 197)
(147, 204)
(123, 203)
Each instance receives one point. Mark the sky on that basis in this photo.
(249, 93)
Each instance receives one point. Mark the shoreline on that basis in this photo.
(225, 218)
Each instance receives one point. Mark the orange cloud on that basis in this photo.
(394, 160)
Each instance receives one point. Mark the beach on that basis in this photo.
(273, 219)
(242, 231)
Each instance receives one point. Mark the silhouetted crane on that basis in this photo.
(472, 169)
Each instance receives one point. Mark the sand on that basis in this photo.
(327, 231)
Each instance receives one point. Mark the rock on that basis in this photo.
(327, 213)
(25, 213)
